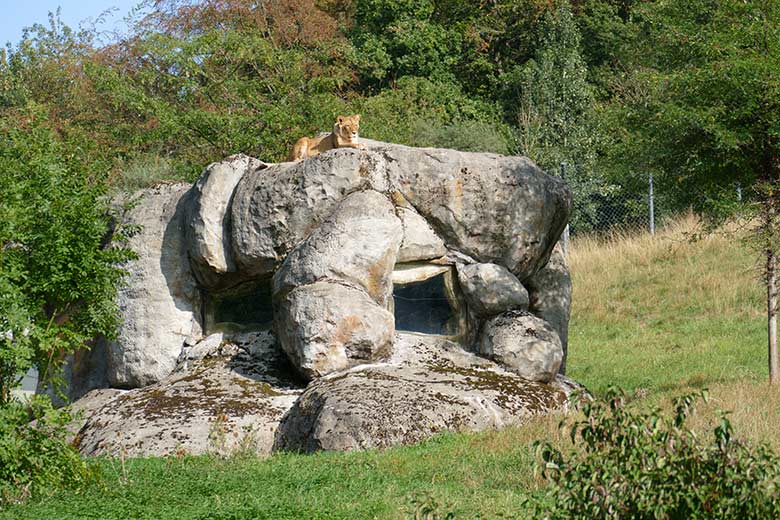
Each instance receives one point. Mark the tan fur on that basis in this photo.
(344, 135)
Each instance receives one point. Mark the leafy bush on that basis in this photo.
(421, 112)
(144, 171)
(58, 272)
(467, 136)
(645, 465)
(34, 457)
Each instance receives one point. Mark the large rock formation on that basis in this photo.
(160, 304)
(225, 394)
(411, 289)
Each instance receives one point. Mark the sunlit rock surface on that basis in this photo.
(356, 299)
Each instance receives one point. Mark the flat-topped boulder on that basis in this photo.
(227, 394)
(430, 386)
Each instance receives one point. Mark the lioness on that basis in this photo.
(345, 134)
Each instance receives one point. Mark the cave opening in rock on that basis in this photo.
(244, 308)
(426, 301)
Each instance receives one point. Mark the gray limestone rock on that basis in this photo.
(231, 399)
(491, 289)
(323, 240)
(83, 408)
(208, 218)
(328, 326)
(420, 241)
(549, 292)
(357, 245)
(429, 386)
(524, 344)
(160, 305)
(275, 209)
(497, 209)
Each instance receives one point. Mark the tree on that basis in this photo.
(396, 38)
(550, 96)
(702, 106)
(552, 104)
(58, 275)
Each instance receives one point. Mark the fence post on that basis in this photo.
(652, 207)
(739, 192)
(565, 235)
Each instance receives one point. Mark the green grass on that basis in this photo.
(485, 473)
(656, 316)
(664, 313)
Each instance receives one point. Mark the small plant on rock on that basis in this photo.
(646, 465)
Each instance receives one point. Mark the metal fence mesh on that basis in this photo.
(638, 204)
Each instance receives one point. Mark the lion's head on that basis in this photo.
(347, 127)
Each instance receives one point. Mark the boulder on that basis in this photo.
(328, 326)
(420, 241)
(208, 218)
(229, 397)
(523, 343)
(357, 245)
(496, 209)
(491, 289)
(321, 243)
(160, 304)
(274, 210)
(549, 293)
(430, 386)
(86, 405)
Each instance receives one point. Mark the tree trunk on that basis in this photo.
(771, 303)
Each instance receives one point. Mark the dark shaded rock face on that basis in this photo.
(333, 254)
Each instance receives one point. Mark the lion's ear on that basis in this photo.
(340, 119)
(357, 116)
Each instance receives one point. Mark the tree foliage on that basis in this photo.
(57, 274)
(647, 465)
(702, 104)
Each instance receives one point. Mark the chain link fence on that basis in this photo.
(638, 204)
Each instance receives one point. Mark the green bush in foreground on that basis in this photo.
(34, 457)
(645, 465)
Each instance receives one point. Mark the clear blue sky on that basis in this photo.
(17, 14)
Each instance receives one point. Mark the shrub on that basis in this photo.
(645, 465)
(34, 456)
(58, 270)
(466, 136)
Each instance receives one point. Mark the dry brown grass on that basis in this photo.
(716, 273)
(754, 411)
(666, 311)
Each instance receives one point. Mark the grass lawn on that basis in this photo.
(657, 316)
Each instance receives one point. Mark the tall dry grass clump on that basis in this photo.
(679, 269)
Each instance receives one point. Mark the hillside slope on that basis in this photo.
(657, 316)
(663, 312)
